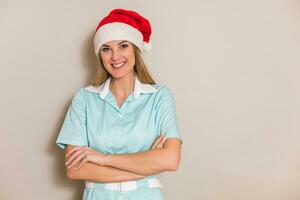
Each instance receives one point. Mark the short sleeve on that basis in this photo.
(166, 114)
(73, 130)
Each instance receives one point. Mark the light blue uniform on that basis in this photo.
(94, 119)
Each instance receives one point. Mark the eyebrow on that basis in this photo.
(119, 43)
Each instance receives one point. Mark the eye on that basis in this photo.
(123, 46)
(105, 49)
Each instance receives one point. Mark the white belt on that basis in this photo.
(125, 186)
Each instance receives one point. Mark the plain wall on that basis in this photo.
(233, 67)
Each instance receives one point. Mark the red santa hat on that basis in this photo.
(122, 24)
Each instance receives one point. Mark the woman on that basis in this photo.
(121, 131)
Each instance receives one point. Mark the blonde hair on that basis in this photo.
(140, 68)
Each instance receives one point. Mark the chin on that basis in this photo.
(117, 76)
(120, 75)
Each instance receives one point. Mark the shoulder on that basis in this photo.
(86, 91)
(90, 89)
(164, 96)
(163, 90)
(80, 96)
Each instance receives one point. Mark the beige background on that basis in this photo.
(233, 67)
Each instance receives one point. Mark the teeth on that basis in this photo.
(118, 65)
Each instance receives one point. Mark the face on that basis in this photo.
(118, 58)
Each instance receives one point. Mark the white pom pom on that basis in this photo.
(147, 46)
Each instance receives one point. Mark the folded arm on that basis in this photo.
(163, 156)
(149, 162)
(96, 173)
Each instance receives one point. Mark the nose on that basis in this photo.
(115, 55)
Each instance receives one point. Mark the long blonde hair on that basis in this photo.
(140, 68)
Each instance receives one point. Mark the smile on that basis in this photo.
(118, 65)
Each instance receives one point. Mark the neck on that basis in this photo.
(123, 86)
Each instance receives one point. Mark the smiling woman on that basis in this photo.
(118, 58)
(121, 130)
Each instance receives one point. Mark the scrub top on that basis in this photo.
(94, 119)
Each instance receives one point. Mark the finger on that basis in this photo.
(157, 141)
(74, 155)
(160, 140)
(72, 151)
(81, 163)
(160, 145)
(78, 158)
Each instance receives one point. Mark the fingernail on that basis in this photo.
(66, 163)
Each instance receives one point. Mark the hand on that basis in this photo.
(80, 155)
(159, 141)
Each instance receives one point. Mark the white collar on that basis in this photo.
(139, 88)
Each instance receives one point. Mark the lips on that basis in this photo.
(118, 65)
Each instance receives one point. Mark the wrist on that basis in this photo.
(107, 160)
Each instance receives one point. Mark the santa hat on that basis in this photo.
(122, 24)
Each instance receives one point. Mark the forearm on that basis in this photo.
(145, 163)
(96, 173)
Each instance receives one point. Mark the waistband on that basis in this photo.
(151, 182)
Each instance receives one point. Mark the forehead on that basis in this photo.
(114, 42)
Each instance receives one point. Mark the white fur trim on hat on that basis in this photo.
(147, 46)
(117, 31)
